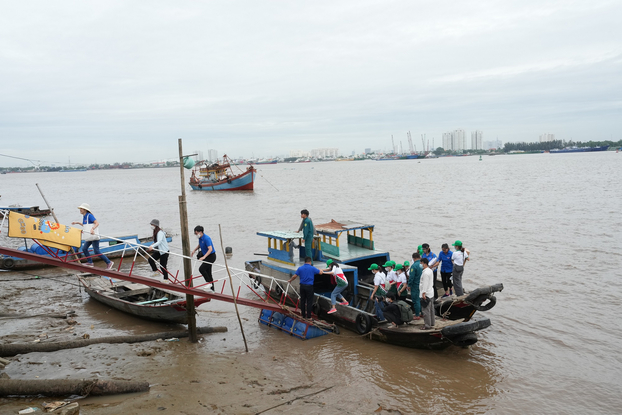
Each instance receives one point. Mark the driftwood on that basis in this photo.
(64, 387)
(18, 316)
(23, 348)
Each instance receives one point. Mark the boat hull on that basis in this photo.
(173, 312)
(111, 252)
(580, 150)
(244, 181)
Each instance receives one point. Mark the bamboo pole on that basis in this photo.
(235, 301)
(185, 241)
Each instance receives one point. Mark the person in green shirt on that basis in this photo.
(413, 282)
(307, 232)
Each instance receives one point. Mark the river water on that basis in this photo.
(546, 226)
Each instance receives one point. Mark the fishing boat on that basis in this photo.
(27, 210)
(139, 300)
(355, 254)
(219, 176)
(111, 247)
(579, 149)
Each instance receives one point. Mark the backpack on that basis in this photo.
(405, 311)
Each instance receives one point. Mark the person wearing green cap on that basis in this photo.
(458, 258)
(413, 282)
(341, 283)
(379, 290)
(307, 232)
(432, 262)
(391, 283)
(402, 283)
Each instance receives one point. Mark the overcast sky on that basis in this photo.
(121, 81)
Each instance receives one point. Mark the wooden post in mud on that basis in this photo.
(235, 302)
(185, 243)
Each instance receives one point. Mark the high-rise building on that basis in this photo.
(325, 153)
(199, 155)
(494, 144)
(547, 137)
(298, 153)
(367, 150)
(212, 155)
(454, 140)
(476, 140)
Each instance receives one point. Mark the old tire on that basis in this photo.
(316, 309)
(278, 290)
(492, 300)
(363, 323)
(464, 340)
(8, 263)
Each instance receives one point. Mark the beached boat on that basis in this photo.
(138, 299)
(219, 176)
(27, 210)
(112, 248)
(579, 149)
(355, 256)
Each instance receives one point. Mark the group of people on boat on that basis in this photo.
(396, 281)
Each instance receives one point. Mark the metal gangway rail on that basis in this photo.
(244, 281)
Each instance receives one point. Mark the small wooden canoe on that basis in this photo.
(138, 299)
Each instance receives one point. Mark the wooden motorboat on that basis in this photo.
(138, 299)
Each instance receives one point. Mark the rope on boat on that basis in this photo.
(268, 181)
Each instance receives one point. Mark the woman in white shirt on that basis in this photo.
(341, 284)
(458, 258)
(161, 253)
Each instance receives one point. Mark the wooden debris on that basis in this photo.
(66, 387)
(23, 348)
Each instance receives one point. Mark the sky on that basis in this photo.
(114, 81)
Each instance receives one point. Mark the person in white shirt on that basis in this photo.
(377, 295)
(427, 296)
(161, 250)
(458, 258)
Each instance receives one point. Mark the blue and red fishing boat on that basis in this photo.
(220, 176)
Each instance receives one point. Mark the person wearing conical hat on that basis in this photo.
(89, 221)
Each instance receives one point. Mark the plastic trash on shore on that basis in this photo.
(174, 339)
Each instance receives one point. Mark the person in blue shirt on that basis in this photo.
(307, 274)
(446, 267)
(433, 264)
(89, 219)
(207, 254)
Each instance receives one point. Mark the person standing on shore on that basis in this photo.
(161, 253)
(307, 274)
(458, 258)
(446, 268)
(427, 296)
(414, 280)
(206, 254)
(90, 224)
(307, 232)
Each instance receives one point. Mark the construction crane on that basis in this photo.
(423, 143)
(410, 143)
(393, 142)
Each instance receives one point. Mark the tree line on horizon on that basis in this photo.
(550, 145)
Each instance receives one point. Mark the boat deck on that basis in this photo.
(415, 326)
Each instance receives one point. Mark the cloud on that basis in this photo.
(125, 80)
